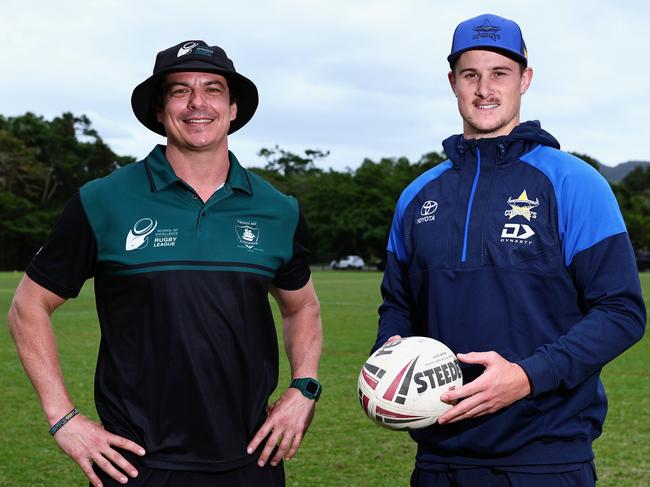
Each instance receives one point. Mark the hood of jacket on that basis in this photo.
(523, 138)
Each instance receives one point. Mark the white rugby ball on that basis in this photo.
(401, 383)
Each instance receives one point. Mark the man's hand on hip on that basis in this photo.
(87, 442)
(285, 426)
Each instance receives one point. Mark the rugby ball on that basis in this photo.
(401, 383)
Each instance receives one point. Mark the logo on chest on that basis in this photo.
(519, 233)
(522, 206)
(142, 234)
(427, 212)
(248, 234)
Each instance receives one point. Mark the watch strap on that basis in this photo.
(309, 387)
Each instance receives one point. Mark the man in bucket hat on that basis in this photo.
(184, 247)
(526, 271)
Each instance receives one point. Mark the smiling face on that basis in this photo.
(196, 111)
(489, 87)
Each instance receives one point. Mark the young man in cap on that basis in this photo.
(184, 247)
(525, 268)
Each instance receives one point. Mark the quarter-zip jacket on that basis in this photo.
(514, 246)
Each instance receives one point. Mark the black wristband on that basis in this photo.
(61, 422)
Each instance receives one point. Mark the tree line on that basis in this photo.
(42, 163)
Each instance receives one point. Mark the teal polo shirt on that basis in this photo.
(188, 354)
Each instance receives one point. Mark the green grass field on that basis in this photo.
(342, 448)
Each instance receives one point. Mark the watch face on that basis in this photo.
(311, 387)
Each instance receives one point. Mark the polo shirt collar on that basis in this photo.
(238, 176)
(161, 174)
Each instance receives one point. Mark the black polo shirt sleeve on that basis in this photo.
(295, 273)
(68, 257)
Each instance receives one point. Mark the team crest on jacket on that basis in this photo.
(522, 206)
(248, 233)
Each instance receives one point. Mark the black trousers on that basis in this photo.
(246, 476)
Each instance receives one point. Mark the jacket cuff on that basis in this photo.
(541, 374)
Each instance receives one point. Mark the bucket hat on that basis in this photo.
(194, 56)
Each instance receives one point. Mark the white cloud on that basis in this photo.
(361, 79)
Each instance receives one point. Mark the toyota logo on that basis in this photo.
(428, 207)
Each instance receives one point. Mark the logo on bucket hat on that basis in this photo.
(194, 55)
(186, 48)
(490, 32)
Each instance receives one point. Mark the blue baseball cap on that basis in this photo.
(491, 32)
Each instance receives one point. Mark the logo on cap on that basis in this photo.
(204, 51)
(186, 48)
(486, 29)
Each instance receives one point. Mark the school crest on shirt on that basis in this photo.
(248, 234)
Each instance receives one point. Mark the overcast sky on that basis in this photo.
(358, 78)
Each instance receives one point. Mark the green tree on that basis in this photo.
(42, 163)
(633, 195)
(348, 212)
(287, 163)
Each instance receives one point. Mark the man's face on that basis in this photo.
(196, 110)
(489, 87)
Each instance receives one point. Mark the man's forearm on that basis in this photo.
(31, 329)
(303, 339)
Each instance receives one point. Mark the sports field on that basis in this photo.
(342, 448)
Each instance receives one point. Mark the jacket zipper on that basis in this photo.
(468, 215)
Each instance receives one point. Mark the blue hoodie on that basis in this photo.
(514, 246)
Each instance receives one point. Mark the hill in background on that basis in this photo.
(614, 174)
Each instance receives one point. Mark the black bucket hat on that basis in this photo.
(194, 56)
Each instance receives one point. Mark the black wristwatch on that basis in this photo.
(309, 387)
